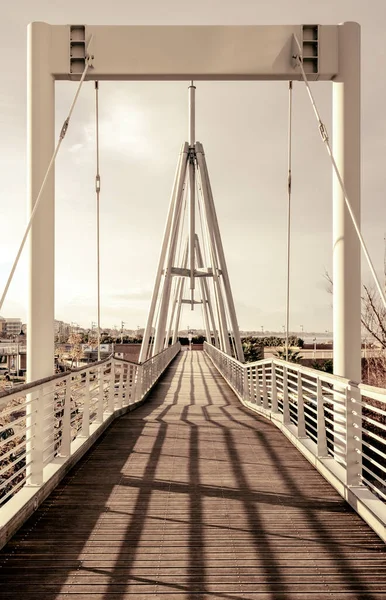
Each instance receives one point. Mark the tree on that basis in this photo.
(323, 365)
(253, 350)
(293, 355)
(373, 313)
(76, 352)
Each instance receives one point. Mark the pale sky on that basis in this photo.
(243, 126)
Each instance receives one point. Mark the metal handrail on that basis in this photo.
(332, 412)
(41, 421)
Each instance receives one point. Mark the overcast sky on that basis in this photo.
(243, 126)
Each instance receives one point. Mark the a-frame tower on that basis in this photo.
(192, 270)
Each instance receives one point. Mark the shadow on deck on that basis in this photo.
(193, 497)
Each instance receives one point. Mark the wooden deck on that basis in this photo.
(193, 497)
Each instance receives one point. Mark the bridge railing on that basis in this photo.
(339, 425)
(44, 424)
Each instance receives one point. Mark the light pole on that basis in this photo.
(122, 326)
(314, 347)
(302, 328)
(262, 329)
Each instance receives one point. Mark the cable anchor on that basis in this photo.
(64, 128)
(323, 131)
(289, 182)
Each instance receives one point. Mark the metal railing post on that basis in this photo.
(286, 410)
(321, 423)
(65, 446)
(99, 418)
(275, 408)
(37, 446)
(111, 388)
(134, 389)
(301, 419)
(86, 407)
(120, 386)
(264, 386)
(353, 435)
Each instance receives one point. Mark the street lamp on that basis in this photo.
(314, 346)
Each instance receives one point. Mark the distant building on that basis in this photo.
(13, 326)
(62, 330)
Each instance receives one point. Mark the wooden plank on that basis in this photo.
(192, 496)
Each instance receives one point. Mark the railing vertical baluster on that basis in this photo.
(286, 410)
(264, 386)
(86, 407)
(99, 418)
(322, 439)
(111, 387)
(301, 419)
(274, 389)
(120, 386)
(134, 389)
(37, 447)
(66, 421)
(353, 435)
(125, 400)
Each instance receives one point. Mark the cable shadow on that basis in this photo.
(310, 506)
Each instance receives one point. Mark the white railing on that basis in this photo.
(338, 422)
(44, 423)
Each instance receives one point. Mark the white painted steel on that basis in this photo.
(289, 192)
(305, 404)
(40, 149)
(171, 255)
(192, 189)
(207, 305)
(164, 249)
(64, 411)
(217, 248)
(97, 192)
(346, 245)
(261, 52)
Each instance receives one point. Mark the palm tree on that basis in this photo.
(293, 355)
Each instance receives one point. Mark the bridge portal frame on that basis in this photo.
(259, 53)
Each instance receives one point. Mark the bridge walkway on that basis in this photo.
(193, 497)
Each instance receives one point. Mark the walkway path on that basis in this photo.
(191, 497)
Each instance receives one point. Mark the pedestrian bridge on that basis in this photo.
(262, 480)
(195, 493)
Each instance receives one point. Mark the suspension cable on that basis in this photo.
(88, 64)
(289, 188)
(325, 138)
(97, 191)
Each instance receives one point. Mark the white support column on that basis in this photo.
(212, 220)
(170, 257)
(178, 313)
(209, 230)
(176, 300)
(192, 189)
(346, 246)
(149, 325)
(192, 225)
(207, 299)
(202, 290)
(40, 148)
